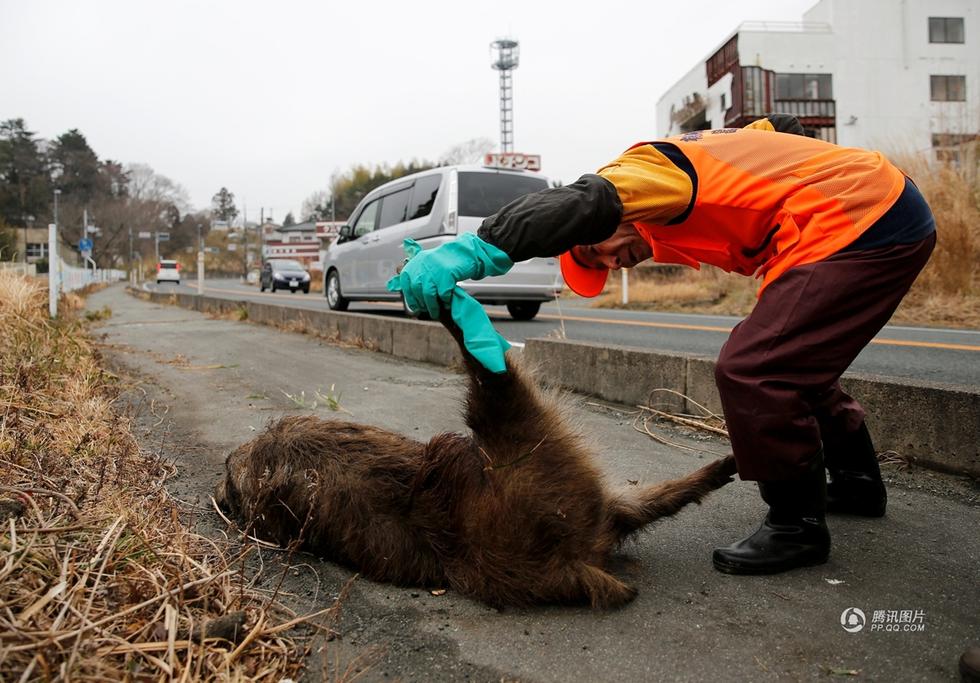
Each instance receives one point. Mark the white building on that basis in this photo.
(896, 75)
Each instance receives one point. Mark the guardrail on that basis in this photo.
(935, 425)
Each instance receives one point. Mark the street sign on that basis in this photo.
(212, 250)
(145, 234)
(85, 244)
(513, 160)
(163, 237)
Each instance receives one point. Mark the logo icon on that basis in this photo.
(852, 619)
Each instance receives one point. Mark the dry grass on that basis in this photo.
(100, 579)
(947, 292)
(709, 290)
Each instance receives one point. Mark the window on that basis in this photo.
(483, 194)
(37, 250)
(804, 87)
(424, 196)
(365, 222)
(724, 102)
(394, 206)
(946, 29)
(949, 145)
(948, 88)
(753, 92)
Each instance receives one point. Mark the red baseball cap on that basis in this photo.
(582, 279)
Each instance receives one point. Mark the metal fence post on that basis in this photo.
(53, 269)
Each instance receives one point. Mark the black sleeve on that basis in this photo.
(786, 123)
(552, 221)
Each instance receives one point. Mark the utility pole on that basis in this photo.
(244, 242)
(200, 261)
(129, 260)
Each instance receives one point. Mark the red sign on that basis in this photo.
(513, 160)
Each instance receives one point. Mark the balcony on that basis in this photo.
(808, 109)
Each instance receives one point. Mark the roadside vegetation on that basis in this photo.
(100, 576)
(947, 292)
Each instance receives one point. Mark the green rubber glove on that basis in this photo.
(479, 336)
(430, 276)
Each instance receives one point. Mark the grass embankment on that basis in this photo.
(100, 579)
(947, 293)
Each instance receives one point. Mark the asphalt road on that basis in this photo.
(211, 383)
(921, 353)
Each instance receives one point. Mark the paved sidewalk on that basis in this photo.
(915, 573)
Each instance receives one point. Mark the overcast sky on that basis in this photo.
(270, 98)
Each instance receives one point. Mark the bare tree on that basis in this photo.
(471, 151)
(316, 207)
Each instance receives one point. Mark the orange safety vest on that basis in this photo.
(766, 202)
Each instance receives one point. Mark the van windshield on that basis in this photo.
(483, 194)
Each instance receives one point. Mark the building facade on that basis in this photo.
(895, 75)
(31, 246)
(298, 242)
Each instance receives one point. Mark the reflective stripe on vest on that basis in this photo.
(769, 201)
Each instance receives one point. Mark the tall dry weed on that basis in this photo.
(954, 196)
(100, 579)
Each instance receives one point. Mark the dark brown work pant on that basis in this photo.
(778, 372)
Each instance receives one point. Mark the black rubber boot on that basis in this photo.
(855, 486)
(793, 534)
(970, 665)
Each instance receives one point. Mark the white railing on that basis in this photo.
(73, 278)
(28, 269)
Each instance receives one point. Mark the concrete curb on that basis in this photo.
(937, 425)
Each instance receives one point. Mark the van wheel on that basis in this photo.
(335, 298)
(523, 310)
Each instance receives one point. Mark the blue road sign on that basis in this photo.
(85, 244)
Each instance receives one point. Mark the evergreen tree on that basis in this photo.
(25, 184)
(223, 205)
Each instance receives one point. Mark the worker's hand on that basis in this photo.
(430, 276)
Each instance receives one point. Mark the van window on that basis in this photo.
(484, 194)
(424, 196)
(394, 206)
(365, 222)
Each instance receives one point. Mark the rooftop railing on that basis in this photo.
(787, 26)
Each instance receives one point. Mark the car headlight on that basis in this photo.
(277, 275)
(306, 277)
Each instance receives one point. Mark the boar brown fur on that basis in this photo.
(514, 513)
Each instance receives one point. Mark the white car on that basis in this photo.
(168, 271)
(433, 207)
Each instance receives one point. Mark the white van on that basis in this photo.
(432, 207)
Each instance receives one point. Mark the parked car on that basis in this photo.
(284, 274)
(168, 271)
(432, 207)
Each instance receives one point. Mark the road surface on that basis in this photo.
(923, 353)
